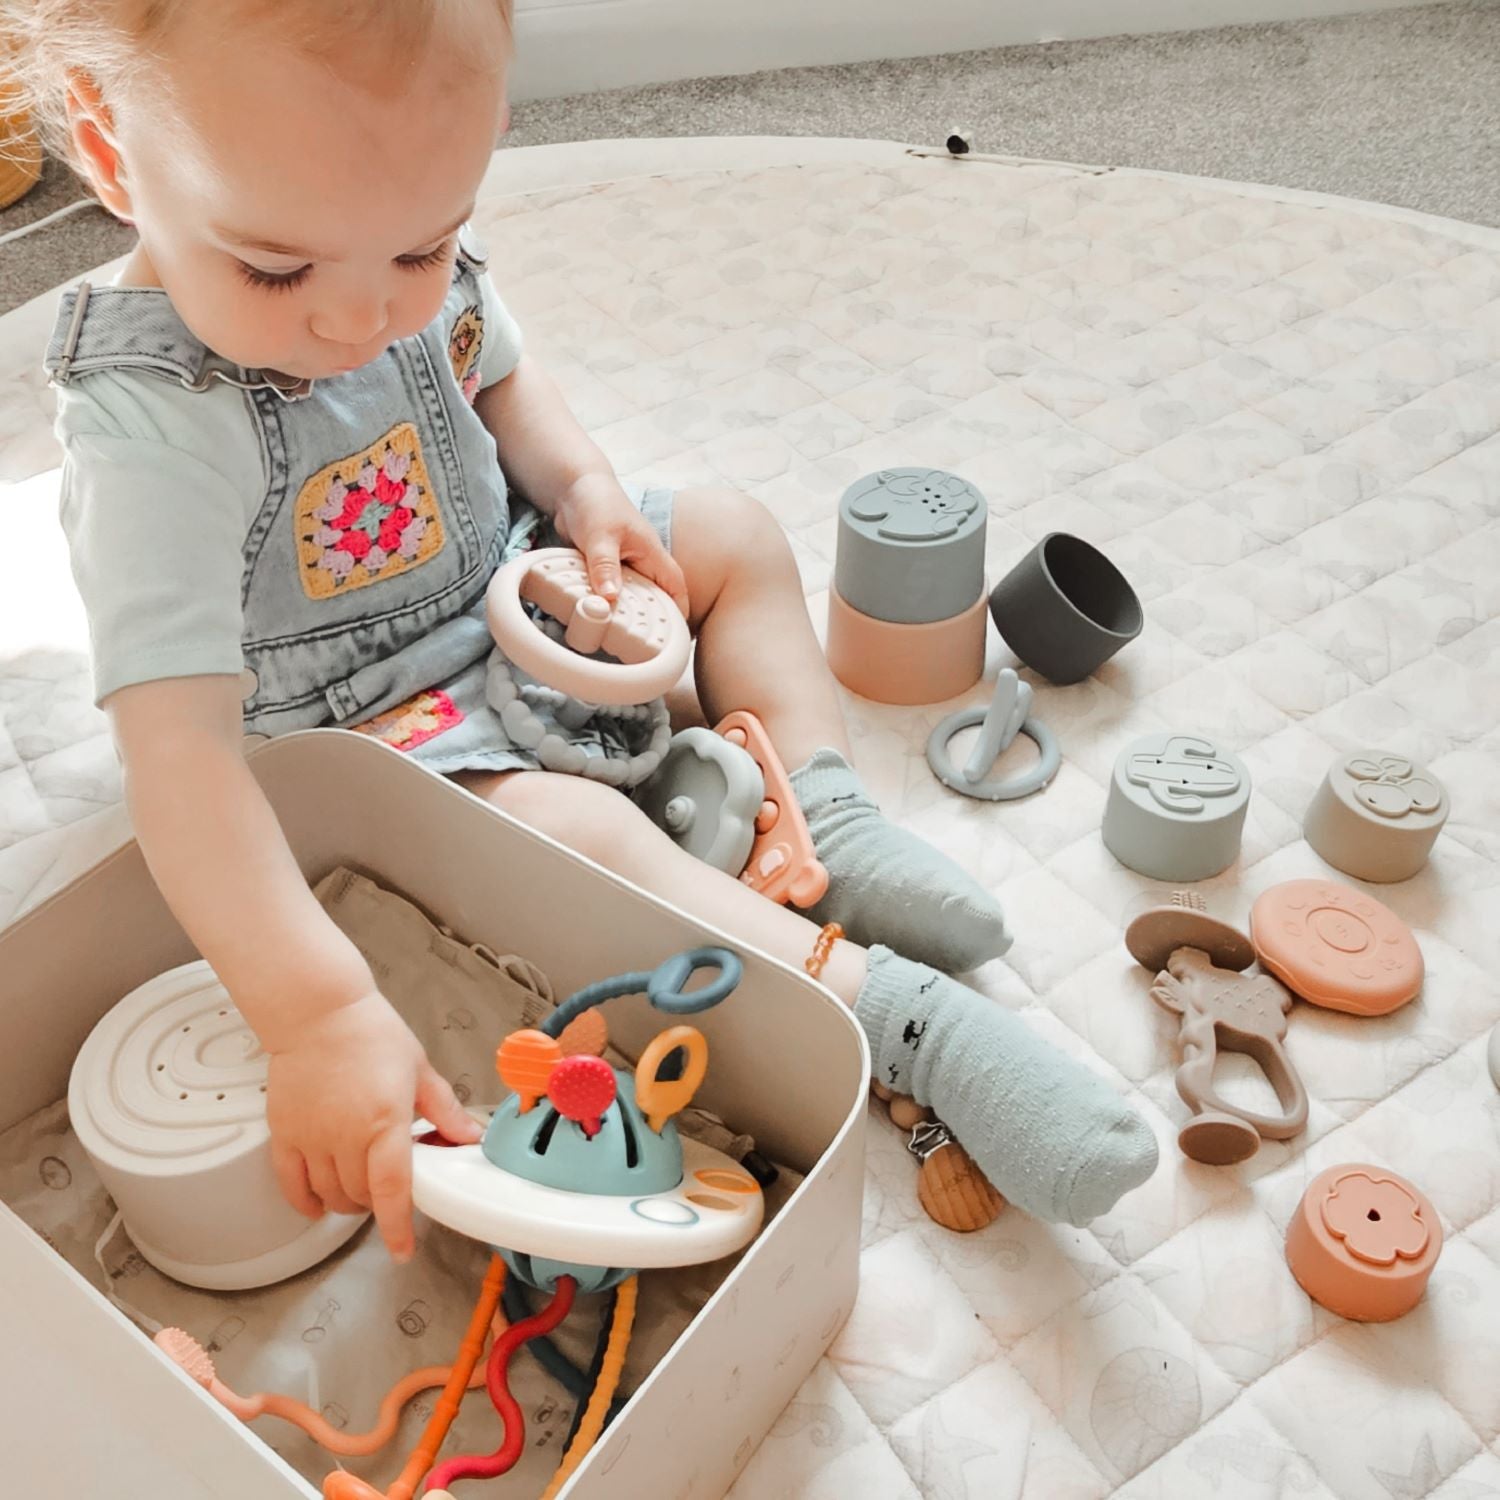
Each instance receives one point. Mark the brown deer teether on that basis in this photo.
(1220, 1007)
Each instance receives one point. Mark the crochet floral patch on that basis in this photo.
(367, 517)
(464, 345)
(414, 722)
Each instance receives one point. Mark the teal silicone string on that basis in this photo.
(664, 987)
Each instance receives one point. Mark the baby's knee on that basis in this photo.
(582, 814)
(733, 524)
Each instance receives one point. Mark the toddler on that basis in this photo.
(301, 433)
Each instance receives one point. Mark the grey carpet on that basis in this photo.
(1402, 107)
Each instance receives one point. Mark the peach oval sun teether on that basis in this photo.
(1336, 947)
(643, 629)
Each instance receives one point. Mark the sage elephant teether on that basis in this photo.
(1220, 1008)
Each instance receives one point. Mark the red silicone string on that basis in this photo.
(491, 1466)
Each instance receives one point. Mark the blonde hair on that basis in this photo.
(46, 43)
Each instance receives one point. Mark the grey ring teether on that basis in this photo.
(993, 791)
(1002, 720)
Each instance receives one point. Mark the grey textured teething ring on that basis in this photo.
(1022, 785)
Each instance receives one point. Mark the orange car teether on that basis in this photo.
(782, 863)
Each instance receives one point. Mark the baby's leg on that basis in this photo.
(756, 645)
(610, 829)
(757, 651)
(1053, 1137)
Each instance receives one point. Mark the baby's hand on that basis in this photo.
(597, 518)
(340, 1099)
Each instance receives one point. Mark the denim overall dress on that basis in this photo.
(385, 514)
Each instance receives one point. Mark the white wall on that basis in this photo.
(576, 46)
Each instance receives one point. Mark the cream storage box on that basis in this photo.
(90, 1410)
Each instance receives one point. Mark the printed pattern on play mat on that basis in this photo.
(1282, 420)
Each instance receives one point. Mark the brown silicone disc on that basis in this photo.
(1155, 935)
(1218, 1140)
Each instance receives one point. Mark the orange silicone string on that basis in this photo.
(345, 1444)
(466, 1373)
(610, 1373)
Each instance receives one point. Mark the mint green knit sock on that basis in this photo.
(886, 885)
(1054, 1138)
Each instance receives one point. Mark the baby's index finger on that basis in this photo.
(390, 1189)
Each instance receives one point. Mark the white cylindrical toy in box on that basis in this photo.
(167, 1097)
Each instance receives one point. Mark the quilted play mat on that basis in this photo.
(1280, 417)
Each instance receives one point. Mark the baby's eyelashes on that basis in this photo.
(273, 280)
(287, 278)
(439, 255)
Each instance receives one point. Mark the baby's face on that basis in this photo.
(300, 223)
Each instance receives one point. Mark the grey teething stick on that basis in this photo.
(1001, 722)
(1008, 711)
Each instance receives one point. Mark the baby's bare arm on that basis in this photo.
(346, 1074)
(549, 458)
(218, 856)
(543, 447)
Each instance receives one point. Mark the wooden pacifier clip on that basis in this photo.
(950, 1187)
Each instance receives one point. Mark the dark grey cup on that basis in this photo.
(1065, 608)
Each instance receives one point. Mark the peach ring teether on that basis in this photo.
(643, 630)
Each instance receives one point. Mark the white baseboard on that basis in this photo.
(579, 46)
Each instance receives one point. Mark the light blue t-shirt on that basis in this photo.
(160, 488)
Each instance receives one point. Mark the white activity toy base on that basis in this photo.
(167, 1097)
(715, 1210)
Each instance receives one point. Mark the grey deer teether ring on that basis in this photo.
(1001, 722)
